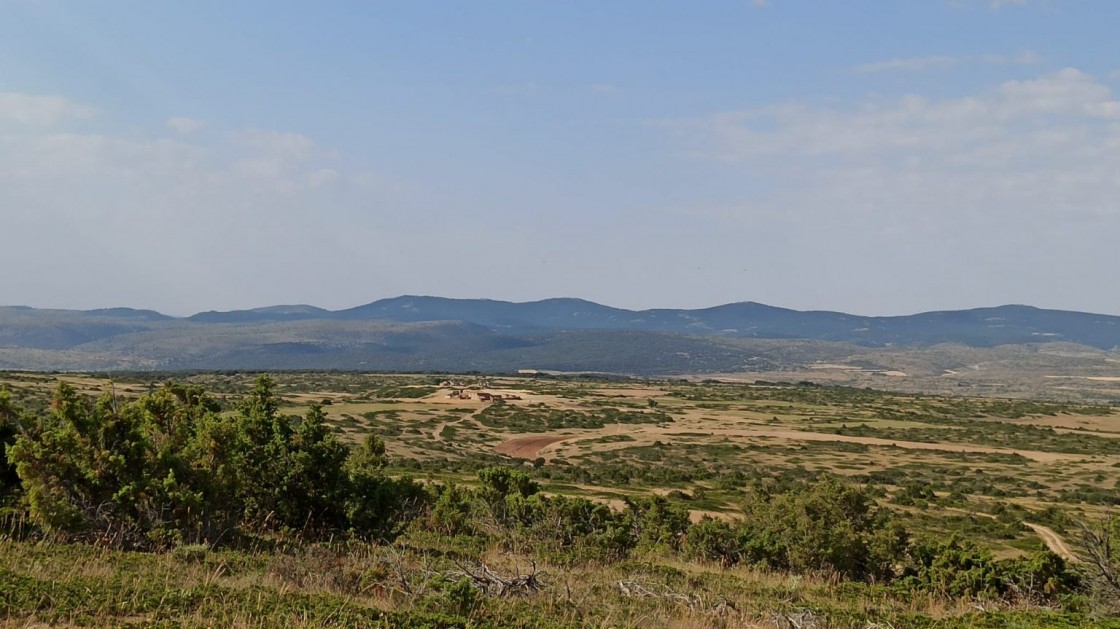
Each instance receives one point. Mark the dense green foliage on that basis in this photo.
(959, 569)
(170, 468)
(9, 480)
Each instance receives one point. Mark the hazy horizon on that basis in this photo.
(855, 157)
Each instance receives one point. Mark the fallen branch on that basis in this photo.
(500, 586)
(635, 589)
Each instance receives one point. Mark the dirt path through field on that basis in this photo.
(1049, 536)
(1043, 457)
(1053, 541)
(975, 513)
(550, 443)
(437, 432)
(528, 447)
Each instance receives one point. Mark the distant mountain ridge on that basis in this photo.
(422, 332)
(979, 327)
(260, 315)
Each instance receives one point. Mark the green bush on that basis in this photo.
(959, 569)
(452, 511)
(657, 522)
(137, 474)
(713, 541)
(377, 506)
(168, 468)
(9, 428)
(821, 526)
(570, 528)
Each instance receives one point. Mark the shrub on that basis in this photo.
(168, 469)
(821, 526)
(124, 473)
(452, 511)
(657, 522)
(9, 427)
(959, 569)
(715, 541)
(378, 507)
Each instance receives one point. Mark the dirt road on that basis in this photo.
(528, 447)
(521, 444)
(1053, 541)
(437, 432)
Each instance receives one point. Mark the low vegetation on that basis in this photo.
(257, 504)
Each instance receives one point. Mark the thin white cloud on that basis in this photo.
(1015, 113)
(288, 145)
(1026, 57)
(185, 126)
(996, 5)
(218, 219)
(40, 110)
(1006, 194)
(274, 155)
(910, 64)
(936, 62)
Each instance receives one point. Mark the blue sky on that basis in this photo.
(873, 157)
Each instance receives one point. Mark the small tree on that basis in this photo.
(822, 526)
(263, 441)
(656, 521)
(119, 472)
(377, 506)
(452, 511)
(499, 482)
(713, 540)
(315, 478)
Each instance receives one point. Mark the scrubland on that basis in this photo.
(339, 499)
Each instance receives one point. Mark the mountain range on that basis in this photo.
(433, 333)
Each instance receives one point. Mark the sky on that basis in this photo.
(875, 157)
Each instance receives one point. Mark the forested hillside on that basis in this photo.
(433, 334)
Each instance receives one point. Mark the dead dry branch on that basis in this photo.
(497, 585)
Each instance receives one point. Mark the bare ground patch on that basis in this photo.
(528, 447)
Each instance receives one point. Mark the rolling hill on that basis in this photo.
(417, 333)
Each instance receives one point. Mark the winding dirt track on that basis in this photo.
(527, 447)
(1053, 541)
(437, 432)
(1049, 536)
(797, 435)
(546, 445)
